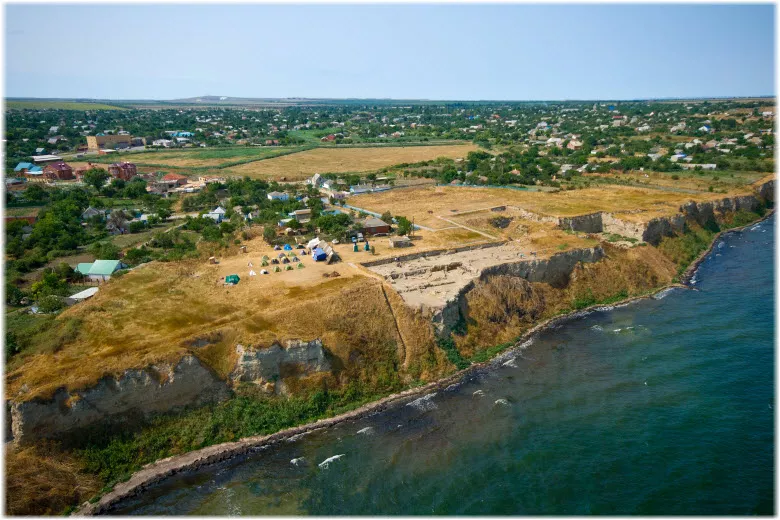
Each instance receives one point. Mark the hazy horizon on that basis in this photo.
(509, 52)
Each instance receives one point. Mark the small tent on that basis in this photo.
(285, 260)
(276, 269)
(318, 254)
(232, 278)
(300, 266)
(263, 271)
(252, 273)
(287, 247)
(265, 263)
(289, 268)
(277, 248)
(295, 259)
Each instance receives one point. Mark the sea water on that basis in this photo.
(663, 406)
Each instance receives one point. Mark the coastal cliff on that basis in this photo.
(158, 388)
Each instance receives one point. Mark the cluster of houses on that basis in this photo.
(59, 170)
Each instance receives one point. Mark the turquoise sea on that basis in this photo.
(662, 406)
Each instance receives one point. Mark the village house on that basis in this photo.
(124, 170)
(375, 226)
(278, 195)
(58, 171)
(179, 179)
(102, 141)
(217, 214)
(100, 270)
(302, 215)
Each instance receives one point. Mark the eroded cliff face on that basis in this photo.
(147, 391)
(555, 271)
(655, 229)
(267, 366)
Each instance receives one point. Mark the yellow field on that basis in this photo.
(732, 182)
(427, 204)
(301, 165)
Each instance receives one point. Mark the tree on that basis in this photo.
(50, 304)
(386, 217)
(269, 234)
(404, 226)
(96, 177)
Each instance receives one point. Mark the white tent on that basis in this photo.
(252, 273)
(314, 242)
(263, 271)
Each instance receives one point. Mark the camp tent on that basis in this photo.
(263, 271)
(318, 254)
(252, 273)
(276, 269)
(295, 259)
(232, 278)
(265, 258)
(285, 261)
(300, 266)
(277, 248)
(265, 263)
(281, 255)
(287, 247)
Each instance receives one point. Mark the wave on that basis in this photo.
(501, 402)
(368, 430)
(326, 463)
(424, 403)
(298, 462)
(510, 363)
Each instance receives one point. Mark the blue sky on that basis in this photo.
(464, 52)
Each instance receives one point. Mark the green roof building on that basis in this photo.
(100, 270)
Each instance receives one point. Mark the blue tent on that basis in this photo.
(318, 254)
(287, 247)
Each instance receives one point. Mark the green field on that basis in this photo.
(58, 105)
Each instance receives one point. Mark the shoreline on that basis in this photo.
(194, 460)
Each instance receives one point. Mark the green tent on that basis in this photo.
(232, 278)
(265, 263)
(288, 268)
(300, 266)
(277, 270)
(265, 258)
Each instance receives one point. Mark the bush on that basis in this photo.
(50, 304)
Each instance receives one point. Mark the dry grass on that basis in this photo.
(152, 314)
(426, 203)
(41, 480)
(733, 182)
(301, 165)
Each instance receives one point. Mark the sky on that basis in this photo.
(441, 52)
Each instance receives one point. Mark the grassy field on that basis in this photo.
(426, 204)
(58, 105)
(344, 160)
(115, 330)
(200, 157)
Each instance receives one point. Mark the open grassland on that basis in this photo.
(427, 204)
(722, 180)
(200, 157)
(154, 313)
(58, 105)
(301, 165)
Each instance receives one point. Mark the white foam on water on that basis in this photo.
(597, 328)
(511, 363)
(721, 245)
(501, 402)
(663, 294)
(525, 344)
(478, 393)
(326, 463)
(297, 462)
(368, 430)
(297, 436)
(424, 403)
